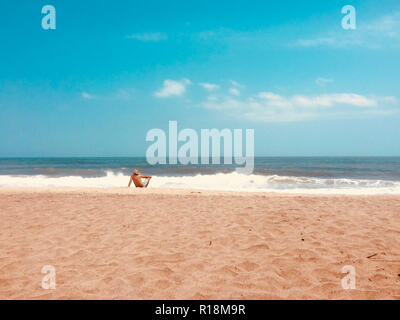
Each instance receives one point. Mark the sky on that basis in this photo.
(113, 70)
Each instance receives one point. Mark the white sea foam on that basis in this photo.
(221, 181)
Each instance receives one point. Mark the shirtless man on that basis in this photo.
(136, 177)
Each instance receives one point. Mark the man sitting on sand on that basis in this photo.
(136, 177)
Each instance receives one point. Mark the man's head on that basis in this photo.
(136, 172)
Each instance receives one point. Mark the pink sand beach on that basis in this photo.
(189, 244)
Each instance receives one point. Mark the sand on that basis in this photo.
(192, 244)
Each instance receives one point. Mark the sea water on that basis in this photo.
(340, 175)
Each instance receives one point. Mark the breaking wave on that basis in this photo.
(221, 181)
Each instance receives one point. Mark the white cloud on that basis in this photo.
(123, 94)
(271, 107)
(323, 81)
(387, 26)
(318, 101)
(234, 91)
(148, 37)
(119, 94)
(322, 41)
(236, 84)
(382, 32)
(86, 95)
(173, 88)
(209, 86)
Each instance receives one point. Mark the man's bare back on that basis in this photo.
(136, 178)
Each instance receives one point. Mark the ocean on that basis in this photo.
(333, 175)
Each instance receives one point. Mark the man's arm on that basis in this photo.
(130, 182)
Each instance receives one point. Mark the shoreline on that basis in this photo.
(184, 191)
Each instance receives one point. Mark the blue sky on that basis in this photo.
(112, 70)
